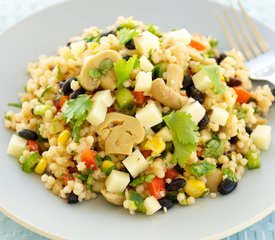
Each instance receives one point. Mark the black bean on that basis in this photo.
(187, 82)
(28, 134)
(68, 44)
(248, 130)
(234, 140)
(77, 93)
(195, 93)
(126, 57)
(61, 83)
(176, 184)
(66, 88)
(165, 202)
(273, 91)
(72, 198)
(130, 45)
(179, 169)
(227, 186)
(107, 33)
(203, 122)
(221, 57)
(157, 127)
(234, 82)
(172, 195)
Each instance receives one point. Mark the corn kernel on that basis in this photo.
(155, 144)
(41, 166)
(107, 166)
(63, 137)
(195, 188)
(93, 47)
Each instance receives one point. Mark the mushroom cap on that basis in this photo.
(125, 132)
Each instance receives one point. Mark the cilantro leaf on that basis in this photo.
(154, 30)
(229, 174)
(46, 90)
(138, 200)
(125, 35)
(94, 73)
(58, 74)
(92, 39)
(213, 73)
(201, 168)
(124, 68)
(143, 179)
(214, 148)
(185, 135)
(241, 113)
(105, 66)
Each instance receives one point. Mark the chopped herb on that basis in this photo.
(46, 90)
(214, 148)
(201, 168)
(241, 113)
(185, 135)
(8, 117)
(58, 75)
(125, 35)
(92, 39)
(138, 200)
(213, 42)
(105, 66)
(75, 113)
(83, 176)
(152, 29)
(158, 70)
(213, 73)
(229, 174)
(129, 25)
(124, 68)
(143, 179)
(95, 73)
(17, 105)
(89, 182)
(98, 160)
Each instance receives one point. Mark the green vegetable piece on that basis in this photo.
(214, 148)
(105, 66)
(158, 70)
(98, 160)
(94, 73)
(172, 195)
(129, 25)
(30, 162)
(124, 68)
(92, 39)
(40, 110)
(201, 168)
(143, 179)
(59, 75)
(213, 73)
(229, 174)
(185, 135)
(138, 200)
(124, 98)
(169, 147)
(241, 113)
(125, 35)
(89, 182)
(17, 105)
(214, 43)
(107, 166)
(83, 176)
(152, 29)
(254, 160)
(46, 90)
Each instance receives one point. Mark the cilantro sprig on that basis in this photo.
(214, 148)
(143, 179)
(201, 168)
(229, 174)
(125, 35)
(185, 135)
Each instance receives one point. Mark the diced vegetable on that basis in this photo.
(201, 168)
(201, 81)
(17, 146)
(124, 98)
(140, 99)
(125, 35)
(40, 109)
(135, 163)
(171, 173)
(195, 187)
(152, 205)
(30, 162)
(41, 166)
(146, 153)
(196, 110)
(117, 181)
(261, 136)
(88, 157)
(63, 137)
(145, 64)
(253, 159)
(138, 201)
(33, 146)
(143, 179)
(146, 42)
(60, 102)
(107, 166)
(97, 113)
(214, 148)
(165, 134)
(157, 187)
(143, 81)
(219, 116)
(159, 69)
(228, 173)
(197, 45)
(243, 96)
(104, 96)
(156, 144)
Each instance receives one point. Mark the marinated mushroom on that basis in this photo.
(167, 95)
(92, 62)
(124, 132)
(213, 180)
(113, 198)
(174, 76)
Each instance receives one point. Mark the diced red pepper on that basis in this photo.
(146, 153)
(33, 146)
(157, 187)
(171, 173)
(243, 96)
(199, 150)
(68, 177)
(139, 97)
(60, 102)
(197, 45)
(88, 156)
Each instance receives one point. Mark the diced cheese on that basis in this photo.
(135, 163)
(104, 96)
(165, 134)
(145, 42)
(143, 81)
(219, 116)
(117, 181)
(201, 81)
(97, 113)
(195, 109)
(16, 146)
(149, 116)
(261, 136)
(145, 64)
(180, 36)
(152, 205)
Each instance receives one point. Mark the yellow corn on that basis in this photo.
(63, 137)
(93, 47)
(155, 144)
(41, 166)
(107, 166)
(194, 187)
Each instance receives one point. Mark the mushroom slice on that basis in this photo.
(167, 95)
(125, 132)
(92, 62)
(113, 198)
(174, 76)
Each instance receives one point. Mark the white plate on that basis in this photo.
(23, 197)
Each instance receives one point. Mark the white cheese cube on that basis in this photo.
(135, 163)
(201, 81)
(149, 116)
(261, 136)
(180, 36)
(145, 64)
(104, 96)
(152, 205)
(97, 113)
(17, 146)
(117, 181)
(219, 116)
(143, 81)
(165, 134)
(145, 42)
(195, 109)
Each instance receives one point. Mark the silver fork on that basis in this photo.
(260, 59)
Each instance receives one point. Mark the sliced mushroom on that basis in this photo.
(167, 95)
(125, 132)
(113, 198)
(174, 76)
(92, 62)
(214, 179)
